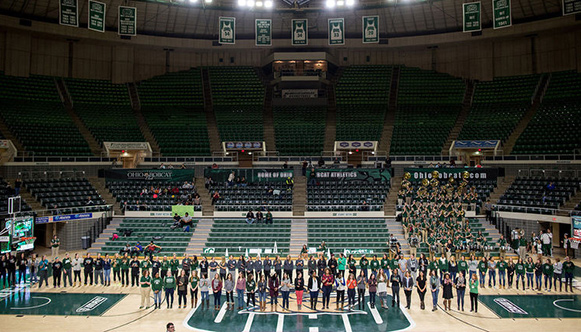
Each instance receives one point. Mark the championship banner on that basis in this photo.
(471, 14)
(182, 209)
(97, 12)
(300, 32)
(251, 175)
(336, 31)
(263, 32)
(227, 33)
(571, 7)
(370, 29)
(127, 21)
(418, 174)
(346, 174)
(69, 12)
(150, 174)
(502, 16)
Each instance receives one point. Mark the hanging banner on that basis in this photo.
(263, 32)
(300, 32)
(370, 30)
(127, 21)
(502, 13)
(115, 174)
(336, 31)
(571, 7)
(346, 174)
(227, 33)
(418, 174)
(252, 175)
(471, 15)
(97, 16)
(69, 12)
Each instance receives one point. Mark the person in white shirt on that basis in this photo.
(340, 287)
(547, 239)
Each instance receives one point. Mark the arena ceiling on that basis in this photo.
(181, 18)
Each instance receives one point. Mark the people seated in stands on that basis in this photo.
(162, 166)
(215, 197)
(322, 246)
(250, 217)
(259, 217)
(209, 182)
(137, 249)
(151, 249)
(197, 200)
(313, 177)
(231, 179)
(214, 166)
(141, 206)
(268, 218)
(176, 220)
(183, 166)
(321, 162)
(243, 182)
(89, 201)
(364, 206)
(289, 183)
(186, 220)
(285, 165)
(126, 249)
(551, 186)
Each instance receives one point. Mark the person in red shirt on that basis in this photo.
(328, 280)
(351, 289)
(217, 289)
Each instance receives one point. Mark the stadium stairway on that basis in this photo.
(99, 185)
(213, 133)
(466, 104)
(199, 237)
(299, 236)
(143, 126)
(389, 121)
(107, 233)
(268, 118)
(68, 105)
(523, 123)
(331, 123)
(569, 206)
(299, 196)
(396, 229)
(207, 207)
(389, 206)
(503, 183)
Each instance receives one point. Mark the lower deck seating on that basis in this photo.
(253, 197)
(145, 230)
(145, 195)
(66, 195)
(347, 196)
(236, 236)
(341, 234)
(535, 195)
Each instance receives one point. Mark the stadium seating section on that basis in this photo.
(145, 230)
(237, 235)
(556, 125)
(105, 108)
(531, 195)
(351, 234)
(53, 133)
(346, 196)
(362, 95)
(498, 106)
(238, 102)
(130, 192)
(173, 107)
(66, 195)
(299, 130)
(253, 197)
(427, 107)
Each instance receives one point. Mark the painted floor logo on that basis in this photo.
(509, 306)
(92, 304)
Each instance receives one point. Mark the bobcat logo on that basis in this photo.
(97, 7)
(127, 12)
(501, 3)
(472, 8)
(70, 3)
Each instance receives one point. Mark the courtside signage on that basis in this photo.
(509, 306)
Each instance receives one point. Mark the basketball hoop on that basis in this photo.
(27, 240)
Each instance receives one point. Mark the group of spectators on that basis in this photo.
(258, 217)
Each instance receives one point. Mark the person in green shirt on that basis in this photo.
(145, 283)
(519, 269)
(502, 265)
(374, 266)
(145, 264)
(443, 267)
(156, 287)
(433, 266)
(67, 270)
(385, 265)
(352, 264)
(55, 244)
(169, 285)
(482, 269)
(568, 269)
(462, 266)
(174, 266)
(194, 281)
(341, 264)
(363, 264)
(125, 270)
(530, 272)
(473, 286)
(164, 266)
(250, 292)
(548, 273)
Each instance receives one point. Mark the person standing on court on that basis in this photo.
(156, 287)
(460, 284)
(314, 285)
(182, 285)
(43, 271)
(67, 270)
(99, 270)
(134, 272)
(145, 289)
(435, 288)
(421, 286)
(568, 269)
(57, 267)
(55, 244)
(88, 265)
(408, 286)
(395, 280)
(169, 285)
(473, 286)
(547, 240)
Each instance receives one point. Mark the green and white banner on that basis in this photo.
(227, 33)
(502, 13)
(370, 29)
(140, 174)
(474, 173)
(252, 175)
(571, 7)
(97, 12)
(182, 209)
(336, 31)
(127, 21)
(471, 13)
(69, 12)
(300, 32)
(263, 32)
(351, 174)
